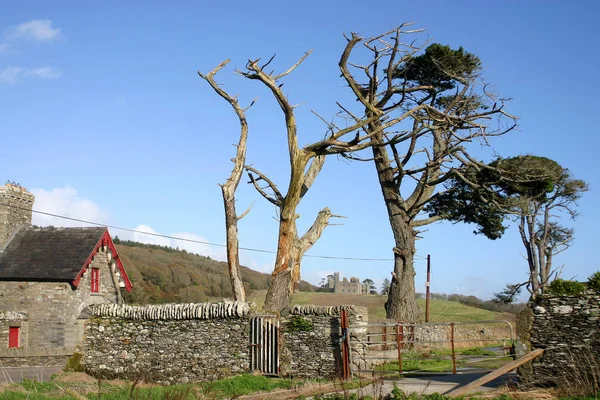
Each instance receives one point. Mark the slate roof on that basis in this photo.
(48, 254)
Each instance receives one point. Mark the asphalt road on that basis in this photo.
(9, 374)
(442, 383)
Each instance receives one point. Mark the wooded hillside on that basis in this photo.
(161, 274)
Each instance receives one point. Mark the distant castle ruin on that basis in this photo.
(352, 286)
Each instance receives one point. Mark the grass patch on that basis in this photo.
(178, 392)
(11, 395)
(415, 361)
(221, 389)
(477, 351)
(34, 390)
(245, 384)
(441, 310)
(490, 363)
(440, 360)
(71, 385)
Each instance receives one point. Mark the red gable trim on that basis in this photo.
(105, 240)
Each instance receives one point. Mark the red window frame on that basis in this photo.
(95, 280)
(13, 337)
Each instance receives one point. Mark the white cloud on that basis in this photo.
(315, 276)
(149, 239)
(37, 29)
(45, 72)
(66, 202)
(190, 242)
(265, 268)
(12, 75)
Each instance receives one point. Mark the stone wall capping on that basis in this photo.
(310, 309)
(201, 311)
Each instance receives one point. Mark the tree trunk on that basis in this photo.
(233, 258)
(229, 187)
(402, 303)
(290, 251)
(281, 288)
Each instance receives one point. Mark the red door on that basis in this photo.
(13, 337)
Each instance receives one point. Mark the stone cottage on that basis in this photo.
(49, 277)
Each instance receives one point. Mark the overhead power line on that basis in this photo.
(194, 240)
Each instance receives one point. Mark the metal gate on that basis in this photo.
(264, 344)
(399, 348)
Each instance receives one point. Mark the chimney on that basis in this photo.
(15, 210)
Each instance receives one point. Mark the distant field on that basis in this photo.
(441, 310)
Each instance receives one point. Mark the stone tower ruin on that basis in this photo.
(16, 205)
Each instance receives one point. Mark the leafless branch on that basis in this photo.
(311, 174)
(245, 212)
(277, 199)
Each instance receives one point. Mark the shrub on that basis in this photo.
(562, 287)
(74, 363)
(298, 323)
(594, 281)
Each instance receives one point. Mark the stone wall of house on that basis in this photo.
(568, 328)
(194, 342)
(55, 357)
(12, 319)
(24, 356)
(53, 308)
(15, 210)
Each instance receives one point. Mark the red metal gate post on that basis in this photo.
(399, 339)
(345, 345)
(453, 352)
(427, 288)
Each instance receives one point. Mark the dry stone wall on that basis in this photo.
(168, 343)
(311, 340)
(195, 342)
(568, 328)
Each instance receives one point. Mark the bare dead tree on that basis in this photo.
(305, 165)
(229, 187)
(420, 107)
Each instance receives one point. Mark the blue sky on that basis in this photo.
(105, 119)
